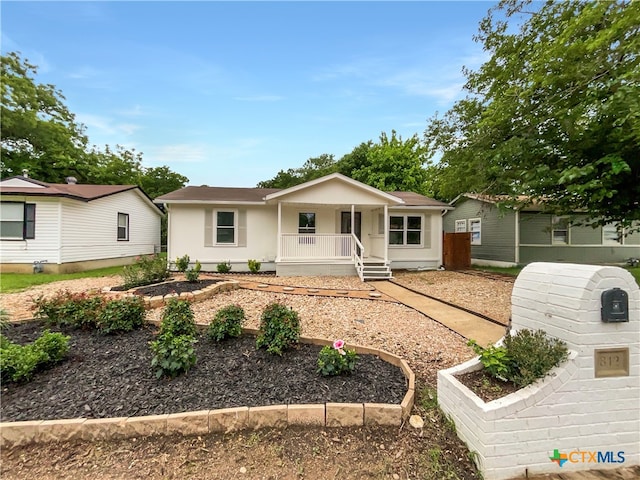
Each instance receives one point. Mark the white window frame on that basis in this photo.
(461, 226)
(123, 216)
(613, 243)
(555, 220)
(474, 231)
(234, 226)
(405, 230)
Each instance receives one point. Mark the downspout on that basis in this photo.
(386, 233)
(517, 252)
(59, 255)
(279, 240)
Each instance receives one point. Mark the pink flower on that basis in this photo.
(338, 344)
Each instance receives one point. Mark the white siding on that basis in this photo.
(46, 244)
(89, 229)
(335, 192)
(186, 236)
(427, 256)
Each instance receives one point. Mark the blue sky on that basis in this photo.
(229, 93)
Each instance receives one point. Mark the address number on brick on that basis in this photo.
(612, 362)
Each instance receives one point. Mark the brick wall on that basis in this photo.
(571, 410)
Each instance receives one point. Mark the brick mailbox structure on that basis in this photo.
(586, 414)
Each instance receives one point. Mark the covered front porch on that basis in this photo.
(332, 240)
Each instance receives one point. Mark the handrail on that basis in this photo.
(357, 259)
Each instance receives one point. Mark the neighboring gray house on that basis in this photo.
(520, 236)
(71, 227)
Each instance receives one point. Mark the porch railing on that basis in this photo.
(321, 246)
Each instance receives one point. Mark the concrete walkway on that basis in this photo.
(468, 325)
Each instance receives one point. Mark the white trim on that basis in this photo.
(216, 226)
(460, 221)
(386, 233)
(517, 238)
(492, 263)
(207, 202)
(479, 231)
(405, 230)
(337, 176)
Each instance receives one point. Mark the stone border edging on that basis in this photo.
(224, 420)
(197, 295)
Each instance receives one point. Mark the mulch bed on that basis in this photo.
(110, 376)
(168, 287)
(485, 386)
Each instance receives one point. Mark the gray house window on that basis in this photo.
(475, 227)
(226, 227)
(405, 230)
(560, 231)
(123, 227)
(17, 221)
(611, 235)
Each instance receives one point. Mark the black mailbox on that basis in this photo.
(615, 305)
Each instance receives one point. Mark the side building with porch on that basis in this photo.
(332, 225)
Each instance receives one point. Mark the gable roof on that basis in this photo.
(260, 196)
(335, 177)
(494, 199)
(82, 192)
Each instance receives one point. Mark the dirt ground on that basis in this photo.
(431, 453)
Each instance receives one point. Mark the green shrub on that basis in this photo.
(182, 263)
(336, 360)
(224, 267)
(19, 362)
(533, 355)
(254, 266)
(524, 358)
(172, 354)
(78, 310)
(192, 274)
(147, 269)
(495, 360)
(4, 319)
(226, 323)
(54, 346)
(178, 319)
(279, 328)
(121, 315)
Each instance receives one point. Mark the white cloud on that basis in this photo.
(178, 153)
(84, 73)
(105, 125)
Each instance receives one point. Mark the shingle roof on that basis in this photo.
(75, 191)
(256, 195)
(218, 194)
(415, 199)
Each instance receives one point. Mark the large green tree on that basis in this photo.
(391, 164)
(41, 135)
(554, 114)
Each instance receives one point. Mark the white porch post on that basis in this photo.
(386, 233)
(353, 223)
(279, 240)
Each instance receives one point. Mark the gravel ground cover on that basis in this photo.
(110, 376)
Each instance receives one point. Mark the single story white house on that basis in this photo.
(332, 225)
(73, 227)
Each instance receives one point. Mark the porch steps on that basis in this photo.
(376, 270)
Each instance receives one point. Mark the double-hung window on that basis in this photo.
(611, 235)
(461, 226)
(405, 230)
(559, 231)
(17, 221)
(226, 226)
(475, 227)
(123, 227)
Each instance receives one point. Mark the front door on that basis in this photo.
(345, 225)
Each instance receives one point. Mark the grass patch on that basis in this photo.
(635, 271)
(15, 282)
